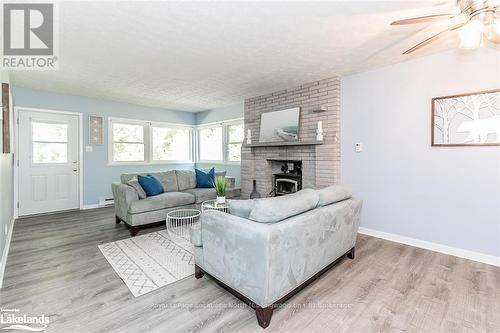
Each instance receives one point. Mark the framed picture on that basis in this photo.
(6, 117)
(96, 132)
(280, 125)
(466, 120)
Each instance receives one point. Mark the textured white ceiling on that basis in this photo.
(195, 56)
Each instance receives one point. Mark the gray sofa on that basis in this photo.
(266, 250)
(180, 192)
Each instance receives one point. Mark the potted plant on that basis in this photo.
(219, 183)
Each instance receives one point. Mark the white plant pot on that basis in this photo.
(221, 200)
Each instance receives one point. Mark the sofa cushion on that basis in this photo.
(186, 179)
(332, 194)
(241, 208)
(161, 201)
(203, 194)
(151, 185)
(168, 180)
(140, 191)
(204, 179)
(270, 210)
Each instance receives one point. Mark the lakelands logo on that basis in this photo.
(29, 36)
(12, 319)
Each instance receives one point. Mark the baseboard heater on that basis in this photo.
(106, 202)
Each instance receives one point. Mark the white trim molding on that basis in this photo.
(5, 254)
(453, 251)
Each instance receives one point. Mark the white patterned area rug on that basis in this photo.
(148, 262)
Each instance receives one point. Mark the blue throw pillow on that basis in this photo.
(205, 179)
(151, 185)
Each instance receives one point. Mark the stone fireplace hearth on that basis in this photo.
(320, 163)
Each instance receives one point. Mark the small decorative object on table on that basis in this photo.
(213, 205)
(179, 223)
(220, 185)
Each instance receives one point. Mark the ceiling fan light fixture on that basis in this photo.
(471, 35)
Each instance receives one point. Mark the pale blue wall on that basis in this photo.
(97, 175)
(220, 114)
(445, 195)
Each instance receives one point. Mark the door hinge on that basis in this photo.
(17, 120)
(17, 162)
(18, 204)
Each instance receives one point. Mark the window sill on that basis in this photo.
(149, 163)
(219, 162)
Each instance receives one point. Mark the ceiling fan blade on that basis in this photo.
(433, 38)
(422, 19)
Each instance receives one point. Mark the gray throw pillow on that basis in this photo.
(270, 210)
(241, 208)
(220, 173)
(138, 188)
(332, 194)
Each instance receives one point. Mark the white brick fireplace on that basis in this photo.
(319, 101)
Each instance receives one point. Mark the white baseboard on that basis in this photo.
(3, 263)
(454, 251)
(85, 207)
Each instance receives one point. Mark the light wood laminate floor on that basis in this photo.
(55, 268)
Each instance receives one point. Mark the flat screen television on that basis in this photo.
(279, 126)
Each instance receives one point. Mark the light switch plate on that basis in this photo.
(358, 147)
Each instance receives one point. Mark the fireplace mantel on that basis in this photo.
(279, 144)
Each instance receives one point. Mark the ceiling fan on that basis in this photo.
(480, 21)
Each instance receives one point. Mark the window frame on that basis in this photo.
(148, 141)
(168, 125)
(225, 140)
(32, 139)
(199, 145)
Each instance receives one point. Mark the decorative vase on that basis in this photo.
(220, 200)
(255, 194)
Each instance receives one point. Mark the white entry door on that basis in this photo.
(49, 162)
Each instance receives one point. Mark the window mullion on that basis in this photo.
(148, 140)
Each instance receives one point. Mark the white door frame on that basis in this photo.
(16, 150)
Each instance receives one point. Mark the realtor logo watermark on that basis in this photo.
(29, 36)
(13, 319)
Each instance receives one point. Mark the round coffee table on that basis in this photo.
(213, 205)
(179, 223)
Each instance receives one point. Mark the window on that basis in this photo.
(235, 138)
(171, 144)
(128, 142)
(50, 142)
(133, 141)
(221, 142)
(210, 140)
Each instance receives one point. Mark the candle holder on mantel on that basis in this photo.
(319, 131)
